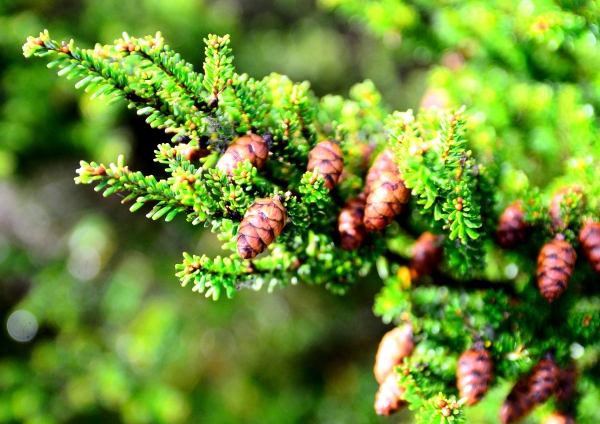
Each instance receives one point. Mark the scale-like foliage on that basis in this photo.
(445, 158)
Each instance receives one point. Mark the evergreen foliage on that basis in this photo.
(459, 166)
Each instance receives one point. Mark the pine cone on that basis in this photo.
(512, 227)
(252, 147)
(262, 223)
(530, 390)
(350, 224)
(388, 398)
(544, 379)
(556, 262)
(395, 345)
(328, 157)
(427, 255)
(382, 163)
(474, 373)
(589, 237)
(567, 383)
(385, 201)
(518, 403)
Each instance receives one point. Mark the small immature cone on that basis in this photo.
(543, 380)
(252, 147)
(518, 403)
(385, 201)
(556, 262)
(328, 157)
(427, 255)
(474, 373)
(395, 345)
(382, 163)
(262, 223)
(567, 383)
(388, 398)
(589, 237)
(559, 418)
(557, 199)
(350, 224)
(513, 230)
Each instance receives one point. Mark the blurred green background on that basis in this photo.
(118, 340)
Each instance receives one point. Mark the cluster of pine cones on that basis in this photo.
(556, 260)
(374, 209)
(474, 376)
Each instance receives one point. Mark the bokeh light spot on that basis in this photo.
(22, 326)
(84, 263)
(511, 270)
(577, 351)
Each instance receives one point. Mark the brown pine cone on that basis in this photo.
(252, 147)
(427, 255)
(328, 157)
(543, 380)
(388, 398)
(512, 227)
(589, 237)
(556, 262)
(567, 383)
(350, 224)
(395, 345)
(518, 403)
(385, 201)
(382, 163)
(474, 373)
(262, 223)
